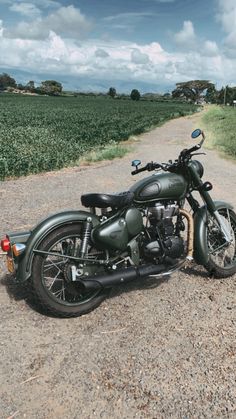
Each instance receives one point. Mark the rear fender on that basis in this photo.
(201, 252)
(41, 231)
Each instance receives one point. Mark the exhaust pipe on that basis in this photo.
(121, 276)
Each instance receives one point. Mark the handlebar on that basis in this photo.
(189, 151)
(135, 172)
(186, 153)
(149, 167)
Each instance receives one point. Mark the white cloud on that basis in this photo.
(40, 3)
(26, 9)
(46, 3)
(68, 21)
(227, 17)
(188, 41)
(186, 37)
(1, 28)
(101, 53)
(128, 16)
(210, 49)
(227, 14)
(139, 57)
(116, 60)
(127, 21)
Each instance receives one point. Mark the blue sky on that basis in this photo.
(95, 44)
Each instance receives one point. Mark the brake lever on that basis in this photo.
(198, 154)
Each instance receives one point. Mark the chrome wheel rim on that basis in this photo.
(56, 273)
(222, 254)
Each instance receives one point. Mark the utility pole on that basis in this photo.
(225, 95)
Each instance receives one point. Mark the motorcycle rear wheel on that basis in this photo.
(222, 259)
(51, 275)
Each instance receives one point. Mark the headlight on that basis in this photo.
(199, 167)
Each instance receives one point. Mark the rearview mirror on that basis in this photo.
(136, 163)
(196, 133)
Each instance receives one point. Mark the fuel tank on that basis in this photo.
(160, 186)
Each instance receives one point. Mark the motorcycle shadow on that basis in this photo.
(138, 285)
(14, 290)
(18, 292)
(195, 270)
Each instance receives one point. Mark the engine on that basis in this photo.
(164, 225)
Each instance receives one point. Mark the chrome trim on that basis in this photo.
(224, 227)
(20, 247)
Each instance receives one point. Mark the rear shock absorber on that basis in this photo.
(87, 228)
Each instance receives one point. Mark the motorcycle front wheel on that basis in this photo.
(51, 279)
(222, 256)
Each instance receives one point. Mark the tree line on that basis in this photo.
(47, 87)
(194, 91)
(197, 90)
(134, 95)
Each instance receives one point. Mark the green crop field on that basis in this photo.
(46, 133)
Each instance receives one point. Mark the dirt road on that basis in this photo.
(157, 349)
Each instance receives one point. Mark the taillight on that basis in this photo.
(5, 245)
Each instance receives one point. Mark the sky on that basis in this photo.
(91, 45)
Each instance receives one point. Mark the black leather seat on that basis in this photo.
(100, 200)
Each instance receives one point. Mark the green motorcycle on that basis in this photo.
(72, 259)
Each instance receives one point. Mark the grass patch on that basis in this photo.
(109, 152)
(219, 124)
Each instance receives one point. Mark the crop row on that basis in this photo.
(43, 133)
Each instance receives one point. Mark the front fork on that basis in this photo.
(203, 189)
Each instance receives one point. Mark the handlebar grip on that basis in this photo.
(194, 148)
(135, 172)
(189, 150)
(149, 167)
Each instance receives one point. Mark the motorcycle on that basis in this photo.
(72, 259)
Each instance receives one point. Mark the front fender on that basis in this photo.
(201, 252)
(42, 230)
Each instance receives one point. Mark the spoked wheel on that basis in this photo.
(222, 260)
(52, 274)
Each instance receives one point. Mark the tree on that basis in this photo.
(51, 88)
(30, 86)
(191, 90)
(135, 95)
(226, 95)
(231, 96)
(112, 92)
(211, 94)
(20, 86)
(6, 81)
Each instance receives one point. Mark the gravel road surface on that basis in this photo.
(154, 349)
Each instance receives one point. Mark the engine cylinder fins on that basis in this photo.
(160, 211)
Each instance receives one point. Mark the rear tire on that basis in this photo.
(222, 262)
(50, 280)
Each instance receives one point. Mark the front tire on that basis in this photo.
(222, 259)
(51, 275)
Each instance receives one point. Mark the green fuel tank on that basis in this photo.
(160, 186)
